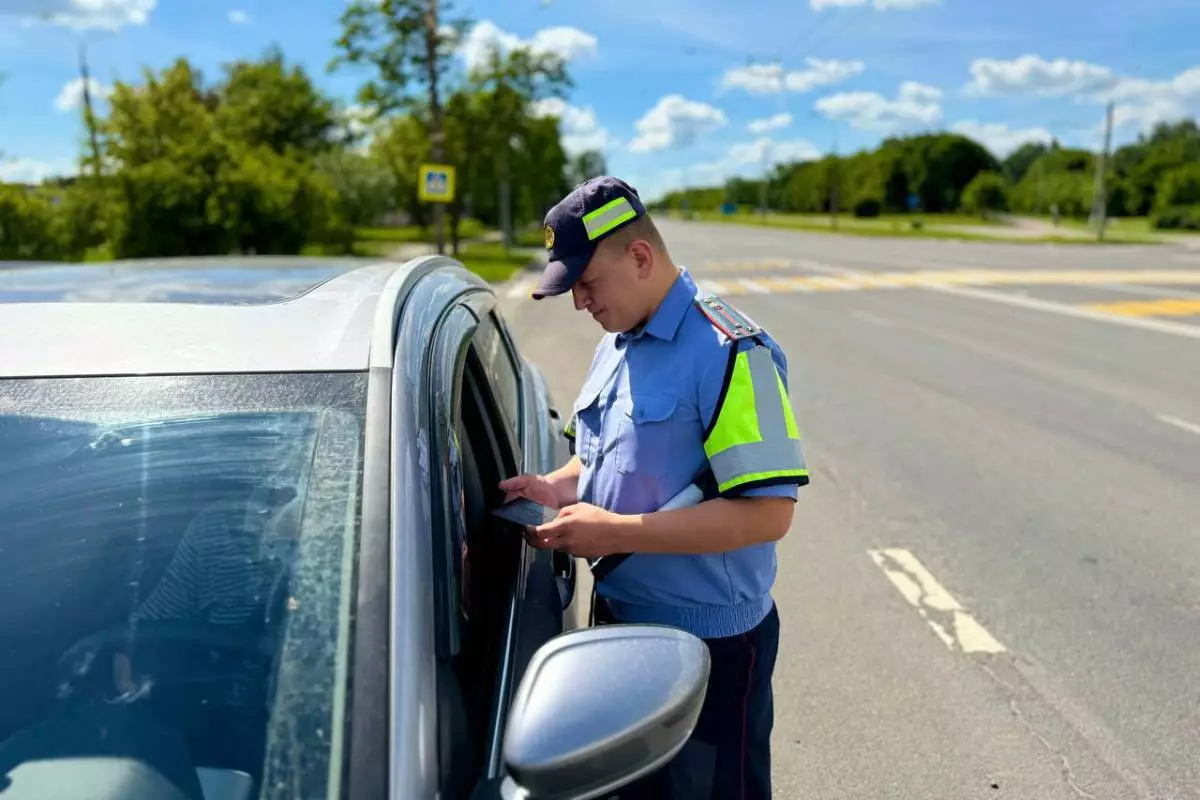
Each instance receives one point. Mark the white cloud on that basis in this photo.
(915, 104)
(70, 96)
(1144, 116)
(747, 153)
(1032, 74)
(771, 78)
(998, 137)
(239, 17)
(675, 122)
(754, 78)
(880, 5)
(580, 129)
(357, 120)
(110, 15)
(28, 170)
(1146, 103)
(568, 43)
(1140, 102)
(770, 123)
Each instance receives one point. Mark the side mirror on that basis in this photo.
(600, 707)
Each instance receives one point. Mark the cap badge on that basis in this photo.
(549, 237)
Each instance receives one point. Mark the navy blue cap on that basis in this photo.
(590, 213)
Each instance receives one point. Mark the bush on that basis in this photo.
(28, 230)
(986, 192)
(1177, 218)
(868, 205)
(1179, 188)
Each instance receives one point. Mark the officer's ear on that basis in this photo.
(643, 257)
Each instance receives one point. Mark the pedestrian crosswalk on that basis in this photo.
(850, 281)
(739, 264)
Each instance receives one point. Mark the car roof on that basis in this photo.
(192, 315)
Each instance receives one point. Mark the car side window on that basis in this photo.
(500, 371)
(479, 574)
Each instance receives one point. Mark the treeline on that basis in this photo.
(1158, 175)
(261, 161)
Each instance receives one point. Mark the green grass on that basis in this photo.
(99, 253)
(1133, 229)
(361, 249)
(467, 229)
(935, 226)
(489, 261)
(847, 221)
(531, 237)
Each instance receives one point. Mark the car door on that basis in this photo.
(495, 600)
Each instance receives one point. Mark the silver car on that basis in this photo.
(246, 548)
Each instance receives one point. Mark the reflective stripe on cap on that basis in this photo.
(607, 217)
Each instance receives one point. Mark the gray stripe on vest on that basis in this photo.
(771, 455)
(768, 405)
(598, 223)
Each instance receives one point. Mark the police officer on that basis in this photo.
(682, 387)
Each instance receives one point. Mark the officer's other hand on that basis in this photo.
(532, 487)
(581, 529)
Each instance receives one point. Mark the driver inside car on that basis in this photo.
(231, 562)
(230, 569)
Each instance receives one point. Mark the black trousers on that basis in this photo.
(728, 756)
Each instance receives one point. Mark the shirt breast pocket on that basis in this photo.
(645, 432)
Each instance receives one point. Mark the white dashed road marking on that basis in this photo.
(1182, 424)
(957, 629)
(753, 286)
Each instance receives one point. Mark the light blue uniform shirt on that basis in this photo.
(640, 421)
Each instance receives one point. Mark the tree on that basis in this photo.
(400, 146)
(409, 44)
(406, 44)
(1020, 160)
(987, 192)
(202, 170)
(509, 84)
(585, 165)
(27, 230)
(264, 103)
(365, 188)
(1180, 187)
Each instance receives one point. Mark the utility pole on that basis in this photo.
(1099, 198)
(833, 185)
(435, 113)
(89, 118)
(762, 186)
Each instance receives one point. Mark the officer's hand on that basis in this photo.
(581, 529)
(531, 487)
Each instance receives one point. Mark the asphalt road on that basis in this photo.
(992, 585)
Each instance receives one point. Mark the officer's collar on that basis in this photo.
(665, 320)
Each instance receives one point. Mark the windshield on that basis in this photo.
(176, 563)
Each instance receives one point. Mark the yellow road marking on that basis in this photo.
(1171, 307)
(739, 264)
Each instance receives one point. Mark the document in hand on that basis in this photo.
(525, 512)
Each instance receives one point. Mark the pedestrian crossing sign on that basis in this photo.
(436, 183)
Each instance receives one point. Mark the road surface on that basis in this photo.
(992, 585)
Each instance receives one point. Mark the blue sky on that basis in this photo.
(674, 90)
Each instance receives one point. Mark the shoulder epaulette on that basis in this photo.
(727, 319)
